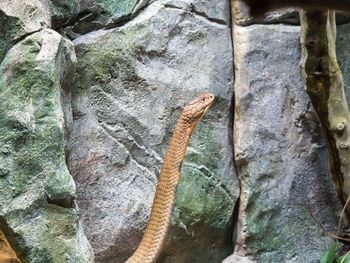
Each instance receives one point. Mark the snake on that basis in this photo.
(153, 239)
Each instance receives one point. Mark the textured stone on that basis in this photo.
(62, 11)
(97, 14)
(239, 259)
(36, 190)
(133, 82)
(343, 56)
(280, 154)
(18, 18)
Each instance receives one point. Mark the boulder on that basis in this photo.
(343, 56)
(281, 156)
(37, 193)
(132, 84)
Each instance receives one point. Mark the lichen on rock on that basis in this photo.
(36, 190)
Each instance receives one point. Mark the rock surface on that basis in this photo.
(280, 154)
(343, 56)
(36, 190)
(236, 258)
(19, 18)
(141, 63)
(132, 83)
(97, 14)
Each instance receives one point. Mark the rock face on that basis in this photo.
(280, 154)
(132, 83)
(36, 190)
(103, 109)
(19, 18)
(97, 14)
(343, 56)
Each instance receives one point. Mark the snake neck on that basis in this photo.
(163, 203)
(176, 152)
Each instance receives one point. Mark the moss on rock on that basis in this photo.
(36, 189)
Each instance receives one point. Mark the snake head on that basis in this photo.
(196, 108)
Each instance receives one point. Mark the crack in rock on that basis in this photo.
(207, 173)
(15, 41)
(192, 9)
(142, 166)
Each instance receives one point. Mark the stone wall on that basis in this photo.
(90, 92)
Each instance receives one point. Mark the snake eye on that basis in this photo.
(203, 99)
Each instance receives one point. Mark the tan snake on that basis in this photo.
(153, 240)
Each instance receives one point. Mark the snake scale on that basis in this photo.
(163, 203)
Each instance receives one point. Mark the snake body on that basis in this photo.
(153, 240)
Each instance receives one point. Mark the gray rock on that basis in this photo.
(280, 154)
(133, 82)
(62, 11)
(108, 14)
(343, 56)
(235, 258)
(97, 14)
(19, 18)
(36, 190)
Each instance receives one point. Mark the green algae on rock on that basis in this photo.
(36, 190)
(97, 14)
(203, 206)
(132, 84)
(279, 151)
